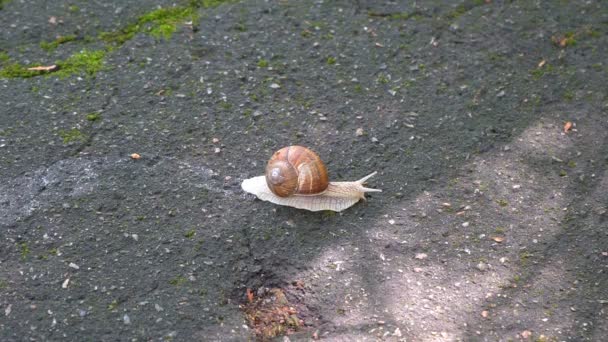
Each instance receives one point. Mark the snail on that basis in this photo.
(296, 177)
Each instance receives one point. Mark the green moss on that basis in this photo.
(113, 305)
(225, 105)
(572, 164)
(50, 46)
(163, 22)
(160, 23)
(73, 8)
(15, 70)
(524, 258)
(93, 117)
(464, 8)
(328, 214)
(457, 12)
(25, 250)
(120, 36)
(262, 63)
(87, 62)
(71, 135)
(540, 72)
(502, 202)
(177, 281)
(240, 26)
(565, 40)
(190, 234)
(3, 2)
(568, 95)
(382, 79)
(395, 15)
(331, 60)
(209, 3)
(4, 57)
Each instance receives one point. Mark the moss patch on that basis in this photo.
(86, 61)
(209, 3)
(396, 15)
(160, 23)
(3, 2)
(50, 46)
(93, 117)
(164, 21)
(71, 135)
(15, 70)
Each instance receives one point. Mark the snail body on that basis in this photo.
(296, 177)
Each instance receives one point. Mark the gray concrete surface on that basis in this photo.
(492, 226)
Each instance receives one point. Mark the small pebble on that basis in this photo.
(391, 221)
(359, 132)
(275, 86)
(482, 266)
(126, 319)
(217, 150)
(421, 256)
(465, 224)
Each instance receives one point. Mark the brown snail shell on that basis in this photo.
(296, 177)
(296, 170)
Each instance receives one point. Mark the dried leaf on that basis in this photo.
(567, 126)
(540, 65)
(498, 239)
(249, 296)
(43, 68)
(135, 156)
